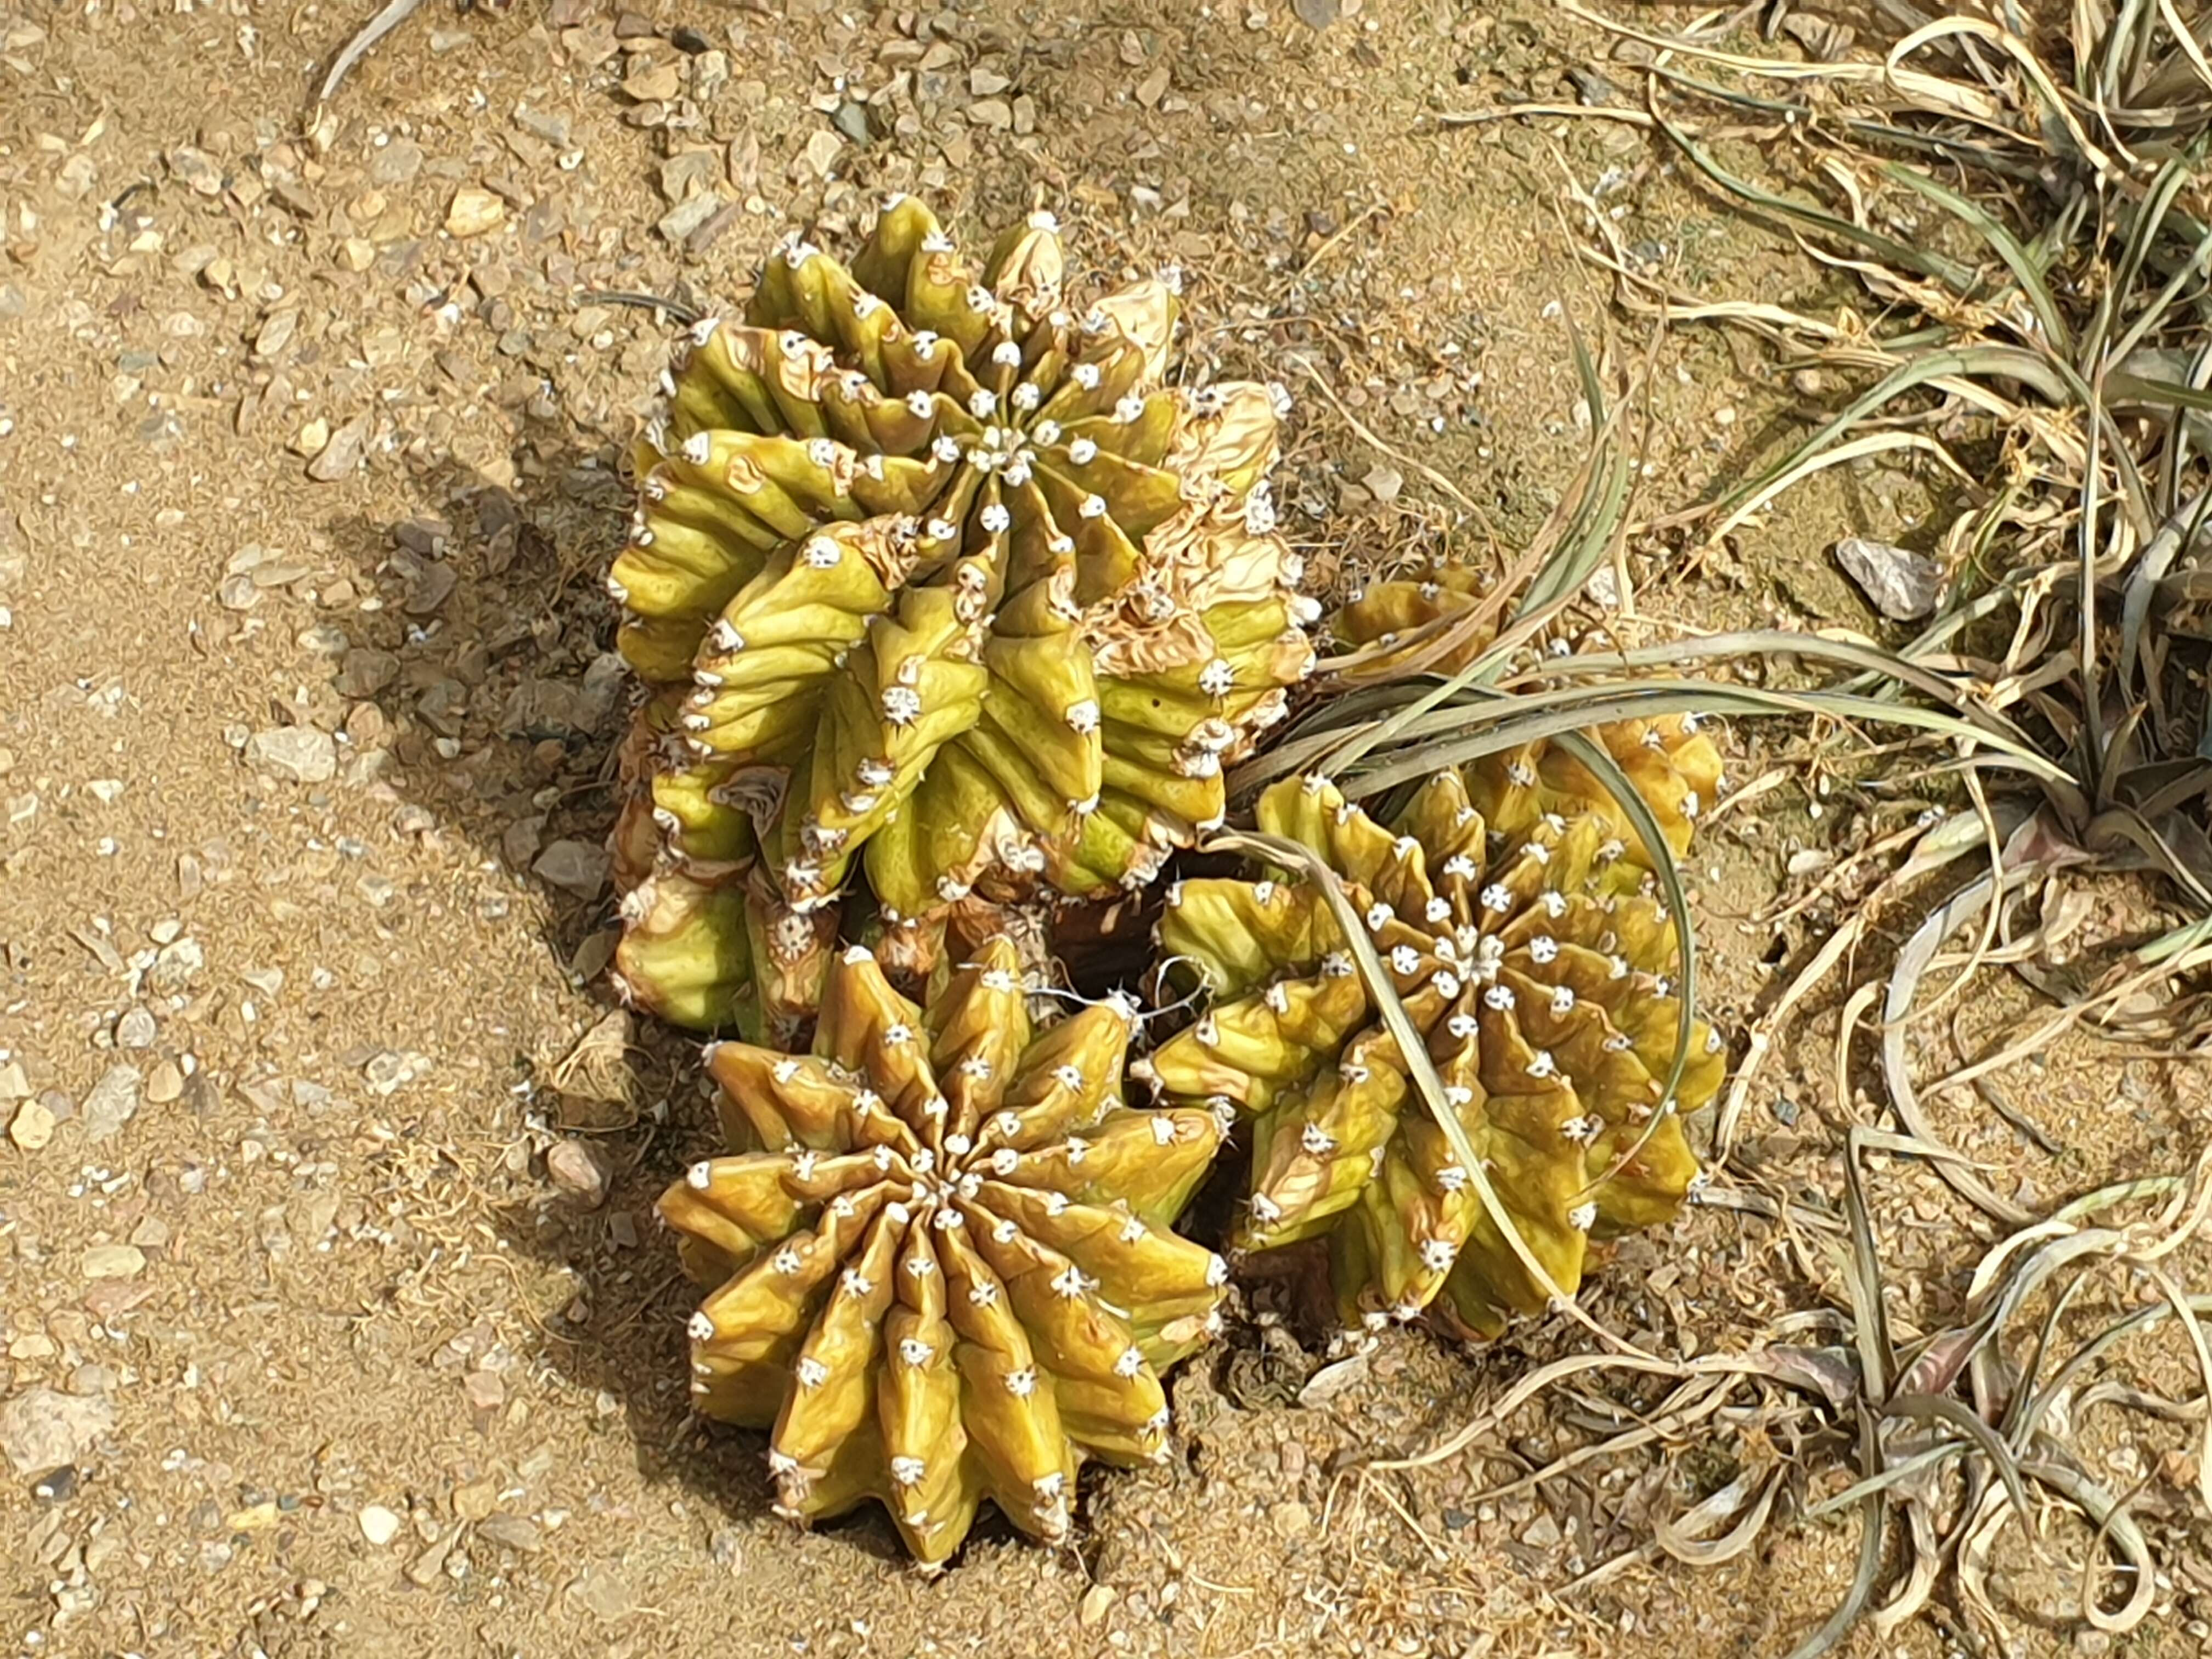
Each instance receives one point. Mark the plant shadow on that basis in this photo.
(484, 701)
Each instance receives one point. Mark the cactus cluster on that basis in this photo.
(958, 591)
(941, 1256)
(952, 606)
(1535, 971)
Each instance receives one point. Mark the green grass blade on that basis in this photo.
(1959, 278)
(2023, 265)
(1606, 770)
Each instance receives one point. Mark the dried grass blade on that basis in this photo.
(1903, 255)
(2027, 269)
(1940, 1408)
(2021, 53)
(1893, 1475)
(1874, 443)
(1606, 770)
(2110, 1517)
(1873, 1543)
(1912, 961)
(1676, 1539)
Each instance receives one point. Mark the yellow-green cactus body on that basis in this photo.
(941, 1257)
(1670, 761)
(707, 941)
(1536, 972)
(997, 602)
(1674, 767)
(1420, 611)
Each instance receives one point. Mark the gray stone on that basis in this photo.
(298, 752)
(341, 456)
(396, 163)
(42, 1429)
(602, 1593)
(555, 709)
(365, 673)
(580, 1171)
(113, 1102)
(680, 220)
(579, 866)
(1900, 584)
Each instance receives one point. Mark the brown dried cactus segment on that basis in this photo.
(1542, 994)
(1670, 760)
(942, 1271)
(707, 941)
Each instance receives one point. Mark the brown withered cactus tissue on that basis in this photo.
(1536, 973)
(942, 1259)
(963, 593)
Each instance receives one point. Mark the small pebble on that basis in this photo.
(33, 1126)
(299, 753)
(113, 1261)
(378, 1524)
(475, 210)
(579, 1170)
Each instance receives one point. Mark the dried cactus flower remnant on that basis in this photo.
(945, 1270)
(1536, 970)
(941, 548)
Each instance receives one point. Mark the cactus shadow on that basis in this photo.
(478, 681)
(487, 699)
(479, 701)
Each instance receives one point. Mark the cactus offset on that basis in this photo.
(1421, 610)
(990, 602)
(1669, 761)
(706, 940)
(1537, 974)
(944, 1270)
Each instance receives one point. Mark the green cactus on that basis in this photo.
(1536, 970)
(975, 598)
(941, 1258)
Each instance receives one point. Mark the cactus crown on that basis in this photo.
(1537, 973)
(943, 1271)
(964, 588)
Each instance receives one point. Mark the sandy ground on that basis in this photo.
(308, 439)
